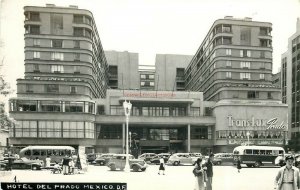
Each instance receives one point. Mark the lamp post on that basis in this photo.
(129, 140)
(248, 135)
(127, 107)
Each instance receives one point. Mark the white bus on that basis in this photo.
(256, 156)
(56, 153)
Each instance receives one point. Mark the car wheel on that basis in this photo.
(101, 163)
(143, 169)
(135, 168)
(112, 167)
(257, 164)
(218, 163)
(249, 165)
(34, 168)
(176, 163)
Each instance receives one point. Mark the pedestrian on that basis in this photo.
(65, 164)
(200, 175)
(238, 164)
(48, 161)
(161, 166)
(209, 170)
(287, 177)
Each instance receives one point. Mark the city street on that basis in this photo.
(176, 178)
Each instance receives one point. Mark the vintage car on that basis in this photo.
(155, 159)
(118, 162)
(25, 163)
(147, 156)
(182, 158)
(103, 159)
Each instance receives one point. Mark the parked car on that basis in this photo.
(92, 157)
(195, 154)
(224, 157)
(2, 166)
(155, 159)
(182, 158)
(25, 163)
(118, 162)
(216, 160)
(103, 159)
(147, 156)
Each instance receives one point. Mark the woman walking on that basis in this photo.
(238, 164)
(200, 175)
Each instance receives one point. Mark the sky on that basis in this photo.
(149, 27)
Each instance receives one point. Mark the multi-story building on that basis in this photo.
(65, 69)
(290, 66)
(234, 61)
(65, 101)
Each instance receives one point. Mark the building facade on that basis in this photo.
(290, 66)
(234, 61)
(76, 100)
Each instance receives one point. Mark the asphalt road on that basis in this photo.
(176, 178)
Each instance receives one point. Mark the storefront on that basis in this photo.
(256, 123)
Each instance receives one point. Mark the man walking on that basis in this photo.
(288, 176)
(209, 171)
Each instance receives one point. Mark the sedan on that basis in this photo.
(118, 161)
(24, 163)
(156, 159)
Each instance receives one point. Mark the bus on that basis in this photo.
(256, 156)
(56, 153)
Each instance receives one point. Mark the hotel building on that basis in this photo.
(73, 91)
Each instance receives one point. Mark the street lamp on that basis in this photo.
(127, 107)
(248, 135)
(129, 140)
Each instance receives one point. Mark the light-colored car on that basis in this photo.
(182, 158)
(147, 156)
(118, 161)
(103, 159)
(224, 157)
(156, 159)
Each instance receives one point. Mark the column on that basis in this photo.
(188, 138)
(124, 137)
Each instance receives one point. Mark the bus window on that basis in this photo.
(61, 152)
(281, 152)
(55, 152)
(262, 152)
(49, 153)
(68, 152)
(268, 152)
(27, 153)
(236, 152)
(255, 151)
(43, 152)
(248, 151)
(36, 152)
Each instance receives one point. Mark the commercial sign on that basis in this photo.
(268, 124)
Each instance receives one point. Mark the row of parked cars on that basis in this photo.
(11, 162)
(171, 159)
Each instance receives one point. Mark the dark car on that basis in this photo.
(24, 163)
(155, 159)
(103, 159)
(216, 160)
(91, 157)
(118, 162)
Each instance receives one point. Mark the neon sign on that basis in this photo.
(268, 124)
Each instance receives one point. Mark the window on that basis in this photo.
(78, 19)
(228, 63)
(56, 23)
(76, 69)
(245, 53)
(36, 55)
(34, 16)
(29, 88)
(261, 76)
(54, 88)
(151, 83)
(34, 29)
(76, 56)
(228, 51)
(36, 42)
(36, 68)
(57, 56)
(57, 68)
(57, 43)
(73, 89)
(199, 133)
(228, 74)
(253, 94)
(270, 95)
(143, 76)
(245, 76)
(78, 31)
(245, 64)
(76, 44)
